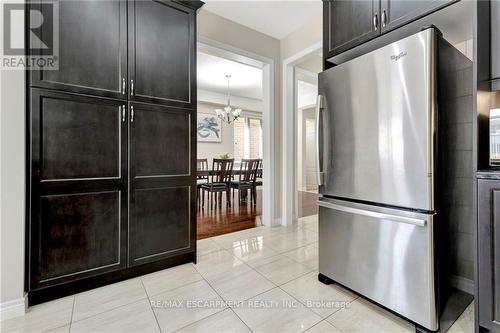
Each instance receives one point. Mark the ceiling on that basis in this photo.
(274, 18)
(246, 81)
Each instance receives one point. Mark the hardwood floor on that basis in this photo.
(218, 221)
(222, 220)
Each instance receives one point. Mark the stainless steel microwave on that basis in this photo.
(495, 137)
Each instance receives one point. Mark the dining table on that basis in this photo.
(211, 172)
(205, 173)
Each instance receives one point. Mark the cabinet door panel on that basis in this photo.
(76, 137)
(166, 29)
(399, 12)
(489, 253)
(160, 223)
(162, 185)
(349, 23)
(162, 141)
(76, 234)
(92, 49)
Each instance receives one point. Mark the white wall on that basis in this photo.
(12, 183)
(215, 149)
(300, 39)
(12, 195)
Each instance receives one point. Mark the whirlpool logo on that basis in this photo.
(396, 57)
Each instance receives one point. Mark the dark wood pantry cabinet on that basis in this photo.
(489, 253)
(349, 23)
(111, 146)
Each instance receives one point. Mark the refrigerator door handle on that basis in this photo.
(403, 219)
(320, 175)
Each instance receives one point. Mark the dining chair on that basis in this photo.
(219, 182)
(258, 179)
(246, 179)
(201, 165)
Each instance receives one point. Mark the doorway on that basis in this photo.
(300, 88)
(228, 77)
(306, 91)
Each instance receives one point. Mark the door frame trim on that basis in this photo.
(289, 106)
(268, 140)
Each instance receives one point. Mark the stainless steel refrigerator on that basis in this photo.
(378, 171)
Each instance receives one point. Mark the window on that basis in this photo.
(247, 138)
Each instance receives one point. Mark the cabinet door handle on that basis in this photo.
(375, 21)
(131, 113)
(384, 18)
(132, 87)
(124, 85)
(123, 113)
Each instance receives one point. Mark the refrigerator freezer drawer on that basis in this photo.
(384, 254)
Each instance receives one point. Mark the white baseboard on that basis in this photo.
(14, 308)
(462, 284)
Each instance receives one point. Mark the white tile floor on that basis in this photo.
(261, 280)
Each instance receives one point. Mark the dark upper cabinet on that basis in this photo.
(489, 254)
(92, 49)
(170, 78)
(495, 41)
(396, 13)
(349, 23)
(162, 215)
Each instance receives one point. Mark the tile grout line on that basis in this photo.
(121, 306)
(237, 315)
(323, 320)
(306, 307)
(222, 299)
(198, 320)
(169, 290)
(280, 254)
(150, 306)
(276, 286)
(108, 310)
(273, 283)
(279, 286)
(72, 311)
(255, 269)
(298, 277)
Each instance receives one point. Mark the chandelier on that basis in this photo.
(228, 114)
